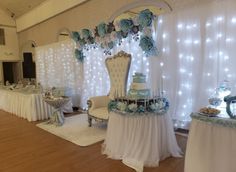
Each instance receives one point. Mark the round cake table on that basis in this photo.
(57, 118)
(140, 140)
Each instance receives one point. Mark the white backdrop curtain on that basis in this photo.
(57, 67)
(196, 52)
(197, 49)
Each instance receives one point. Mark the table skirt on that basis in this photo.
(27, 106)
(210, 148)
(140, 140)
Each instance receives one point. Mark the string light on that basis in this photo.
(180, 26)
(219, 35)
(219, 19)
(180, 93)
(208, 40)
(164, 35)
(233, 20)
(208, 24)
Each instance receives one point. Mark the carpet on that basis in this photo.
(76, 130)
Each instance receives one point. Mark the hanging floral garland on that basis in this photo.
(107, 35)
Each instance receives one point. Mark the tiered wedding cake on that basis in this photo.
(138, 88)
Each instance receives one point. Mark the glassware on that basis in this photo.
(224, 89)
(215, 100)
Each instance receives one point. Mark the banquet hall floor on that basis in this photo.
(25, 148)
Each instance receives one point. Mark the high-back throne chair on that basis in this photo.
(118, 69)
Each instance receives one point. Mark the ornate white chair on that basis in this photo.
(118, 70)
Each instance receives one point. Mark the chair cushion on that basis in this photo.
(101, 113)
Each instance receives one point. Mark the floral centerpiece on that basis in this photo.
(157, 106)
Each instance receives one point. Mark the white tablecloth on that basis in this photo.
(140, 140)
(25, 105)
(210, 148)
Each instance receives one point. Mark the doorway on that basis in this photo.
(28, 66)
(9, 69)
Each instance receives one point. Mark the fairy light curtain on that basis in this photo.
(57, 67)
(197, 53)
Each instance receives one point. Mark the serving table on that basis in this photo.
(140, 140)
(27, 104)
(211, 145)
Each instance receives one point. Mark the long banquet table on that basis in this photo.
(140, 140)
(211, 145)
(24, 104)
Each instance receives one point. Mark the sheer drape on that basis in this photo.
(196, 52)
(57, 67)
(197, 49)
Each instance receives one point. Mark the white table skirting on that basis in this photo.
(140, 140)
(210, 148)
(27, 106)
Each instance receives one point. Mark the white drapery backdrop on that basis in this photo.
(57, 67)
(196, 53)
(197, 49)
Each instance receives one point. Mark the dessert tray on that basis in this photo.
(209, 111)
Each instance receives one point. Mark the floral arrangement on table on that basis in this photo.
(156, 106)
(107, 35)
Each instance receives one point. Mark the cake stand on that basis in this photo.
(57, 118)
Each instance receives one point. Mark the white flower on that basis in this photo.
(121, 106)
(160, 104)
(117, 25)
(113, 36)
(147, 31)
(107, 38)
(98, 39)
(133, 107)
(78, 46)
(135, 20)
(153, 106)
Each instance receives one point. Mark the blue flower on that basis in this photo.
(76, 36)
(86, 33)
(102, 29)
(110, 45)
(82, 42)
(91, 40)
(145, 18)
(119, 35)
(147, 45)
(141, 109)
(112, 105)
(126, 25)
(79, 55)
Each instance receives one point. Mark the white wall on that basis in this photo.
(9, 51)
(5, 19)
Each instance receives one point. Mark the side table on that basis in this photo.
(57, 118)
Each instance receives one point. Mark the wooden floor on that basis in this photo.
(27, 148)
